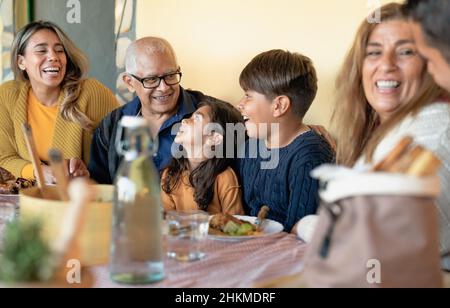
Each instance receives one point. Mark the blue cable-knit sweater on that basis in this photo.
(287, 189)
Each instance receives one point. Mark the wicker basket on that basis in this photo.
(94, 239)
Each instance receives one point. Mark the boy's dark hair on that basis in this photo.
(203, 178)
(434, 17)
(278, 72)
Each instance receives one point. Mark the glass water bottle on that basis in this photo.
(136, 246)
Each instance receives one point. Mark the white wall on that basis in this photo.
(215, 39)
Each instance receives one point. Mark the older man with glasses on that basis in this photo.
(152, 72)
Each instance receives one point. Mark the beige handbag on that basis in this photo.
(374, 230)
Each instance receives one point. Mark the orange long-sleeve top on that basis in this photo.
(95, 101)
(42, 120)
(227, 195)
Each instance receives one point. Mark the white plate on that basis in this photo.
(269, 227)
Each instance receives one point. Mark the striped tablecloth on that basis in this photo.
(229, 265)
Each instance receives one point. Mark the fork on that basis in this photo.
(261, 217)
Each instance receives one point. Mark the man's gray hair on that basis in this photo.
(146, 46)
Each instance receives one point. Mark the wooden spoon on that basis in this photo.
(31, 146)
(59, 171)
(66, 245)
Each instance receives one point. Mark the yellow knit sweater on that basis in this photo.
(95, 100)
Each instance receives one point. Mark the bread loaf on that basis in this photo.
(410, 160)
(394, 155)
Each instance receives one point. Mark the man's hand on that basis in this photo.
(77, 168)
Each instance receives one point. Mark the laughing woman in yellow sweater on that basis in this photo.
(52, 95)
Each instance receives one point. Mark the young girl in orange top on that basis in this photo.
(195, 181)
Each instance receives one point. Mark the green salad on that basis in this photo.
(233, 229)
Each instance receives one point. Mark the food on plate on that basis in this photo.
(9, 185)
(228, 225)
(5, 176)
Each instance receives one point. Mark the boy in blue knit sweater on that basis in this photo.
(280, 86)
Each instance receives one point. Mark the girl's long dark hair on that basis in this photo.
(203, 178)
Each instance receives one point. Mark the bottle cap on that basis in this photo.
(133, 122)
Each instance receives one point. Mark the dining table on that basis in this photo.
(241, 264)
(273, 260)
(247, 263)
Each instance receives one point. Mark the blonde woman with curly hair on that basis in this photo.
(50, 93)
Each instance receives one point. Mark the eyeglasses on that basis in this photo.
(153, 82)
